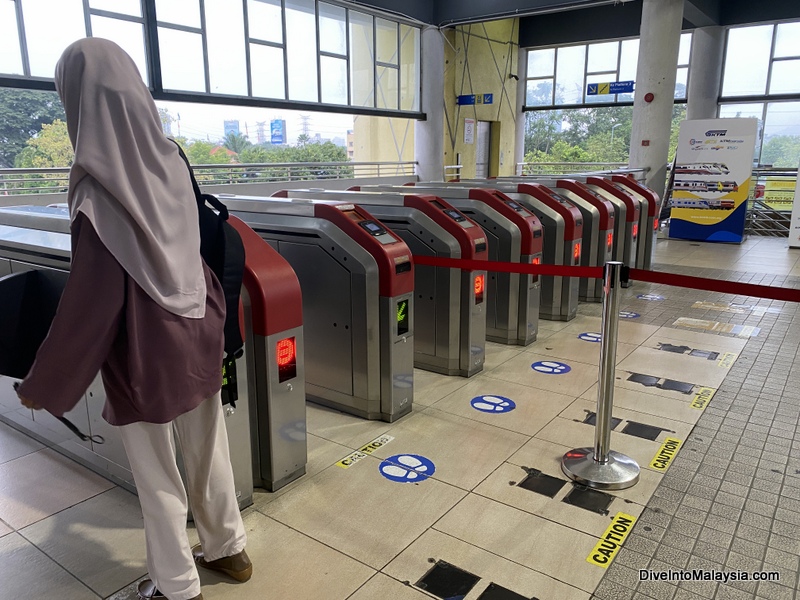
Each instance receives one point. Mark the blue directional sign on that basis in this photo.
(466, 100)
(488, 98)
(628, 314)
(590, 336)
(611, 87)
(493, 404)
(407, 468)
(551, 367)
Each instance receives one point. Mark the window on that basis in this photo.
(561, 76)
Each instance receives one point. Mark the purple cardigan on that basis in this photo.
(155, 365)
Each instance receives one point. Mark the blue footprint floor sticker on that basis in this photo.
(590, 336)
(493, 404)
(407, 468)
(551, 367)
(628, 314)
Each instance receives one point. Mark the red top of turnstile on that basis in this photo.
(604, 207)
(472, 239)
(573, 223)
(648, 194)
(631, 203)
(271, 284)
(529, 225)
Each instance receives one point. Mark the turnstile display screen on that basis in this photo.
(514, 205)
(480, 286)
(455, 215)
(372, 228)
(402, 317)
(286, 357)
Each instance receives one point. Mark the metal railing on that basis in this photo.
(566, 168)
(769, 208)
(50, 180)
(452, 172)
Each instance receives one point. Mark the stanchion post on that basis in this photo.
(600, 467)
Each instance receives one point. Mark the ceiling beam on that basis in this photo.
(702, 13)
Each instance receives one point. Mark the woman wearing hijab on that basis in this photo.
(141, 307)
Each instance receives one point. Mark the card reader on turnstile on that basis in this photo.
(515, 235)
(647, 233)
(36, 240)
(598, 230)
(563, 233)
(628, 225)
(357, 279)
(449, 313)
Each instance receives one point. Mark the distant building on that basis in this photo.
(350, 144)
(339, 141)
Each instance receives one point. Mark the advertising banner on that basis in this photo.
(713, 171)
(794, 227)
(277, 131)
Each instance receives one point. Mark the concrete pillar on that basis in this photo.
(429, 134)
(655, 74)
(522, 70)
(705, 73)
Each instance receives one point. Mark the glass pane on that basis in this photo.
(685, 49)
(10, 55)
(387, 87)
(569, 75)
(539, 92)
(266, 71)
(126, 7)
(362, 74)
(628, 60)
(129, 35)
(264, 20)
(332, 29)
(409, 67)
(180, 12)
(600, 78)
(181, 60)
(781, 146)
(787, 40)
(386, 34)
(744, 111)
(681, 82)
(603, 57)
(227, 67)
(785, 77)
(540, 63)
(747, 61)
(334, 80)
(301, 49)
(49, 28)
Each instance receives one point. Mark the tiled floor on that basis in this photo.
(730, 499)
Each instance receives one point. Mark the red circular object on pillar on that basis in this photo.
(649, 97)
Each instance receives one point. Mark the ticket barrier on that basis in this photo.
(515, 235)
(647, 233)
(449, 315)
(627, 216)
(598, 230)
(563, 234)
(35, 256)
(357, 280)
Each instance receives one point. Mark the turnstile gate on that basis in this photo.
(449, 315)
(515, 235)
(35, 247)
(650, 205)
(627, 216)
(357, 280)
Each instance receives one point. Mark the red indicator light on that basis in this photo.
(576, 253)
(536, 260)
(286, 358)
(610, 241)
(655, 225)
(635, 230)
(480, 283)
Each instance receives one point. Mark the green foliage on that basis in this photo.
(236, 142)
(50, 148)
(308, 152)
(199, 153)
(781, 151)
(22, 114)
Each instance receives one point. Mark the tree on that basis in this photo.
(781, 151)
(50, 148)
(303, 139)
(22, 114)
(199, 153)
(236, 142)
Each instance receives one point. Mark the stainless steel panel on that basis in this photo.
(397, 360)
(473, 326)
(5, 267)
(529, 299)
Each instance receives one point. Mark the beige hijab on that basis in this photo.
(128, 178)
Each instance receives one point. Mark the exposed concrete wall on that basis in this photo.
(705, 73)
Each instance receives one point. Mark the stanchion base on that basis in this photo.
(619, 473)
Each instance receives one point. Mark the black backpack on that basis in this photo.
(223, 251)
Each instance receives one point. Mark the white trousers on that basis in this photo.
(209, 477)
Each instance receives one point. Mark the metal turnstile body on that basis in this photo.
(650, 206)
(563, 234)
(626, 237)
(357, 280)
(515, 235)
(598, 230)
(449, 315)
(37, 238)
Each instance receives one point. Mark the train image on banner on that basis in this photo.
(702, 169)
(699, 203)
(705, 186)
